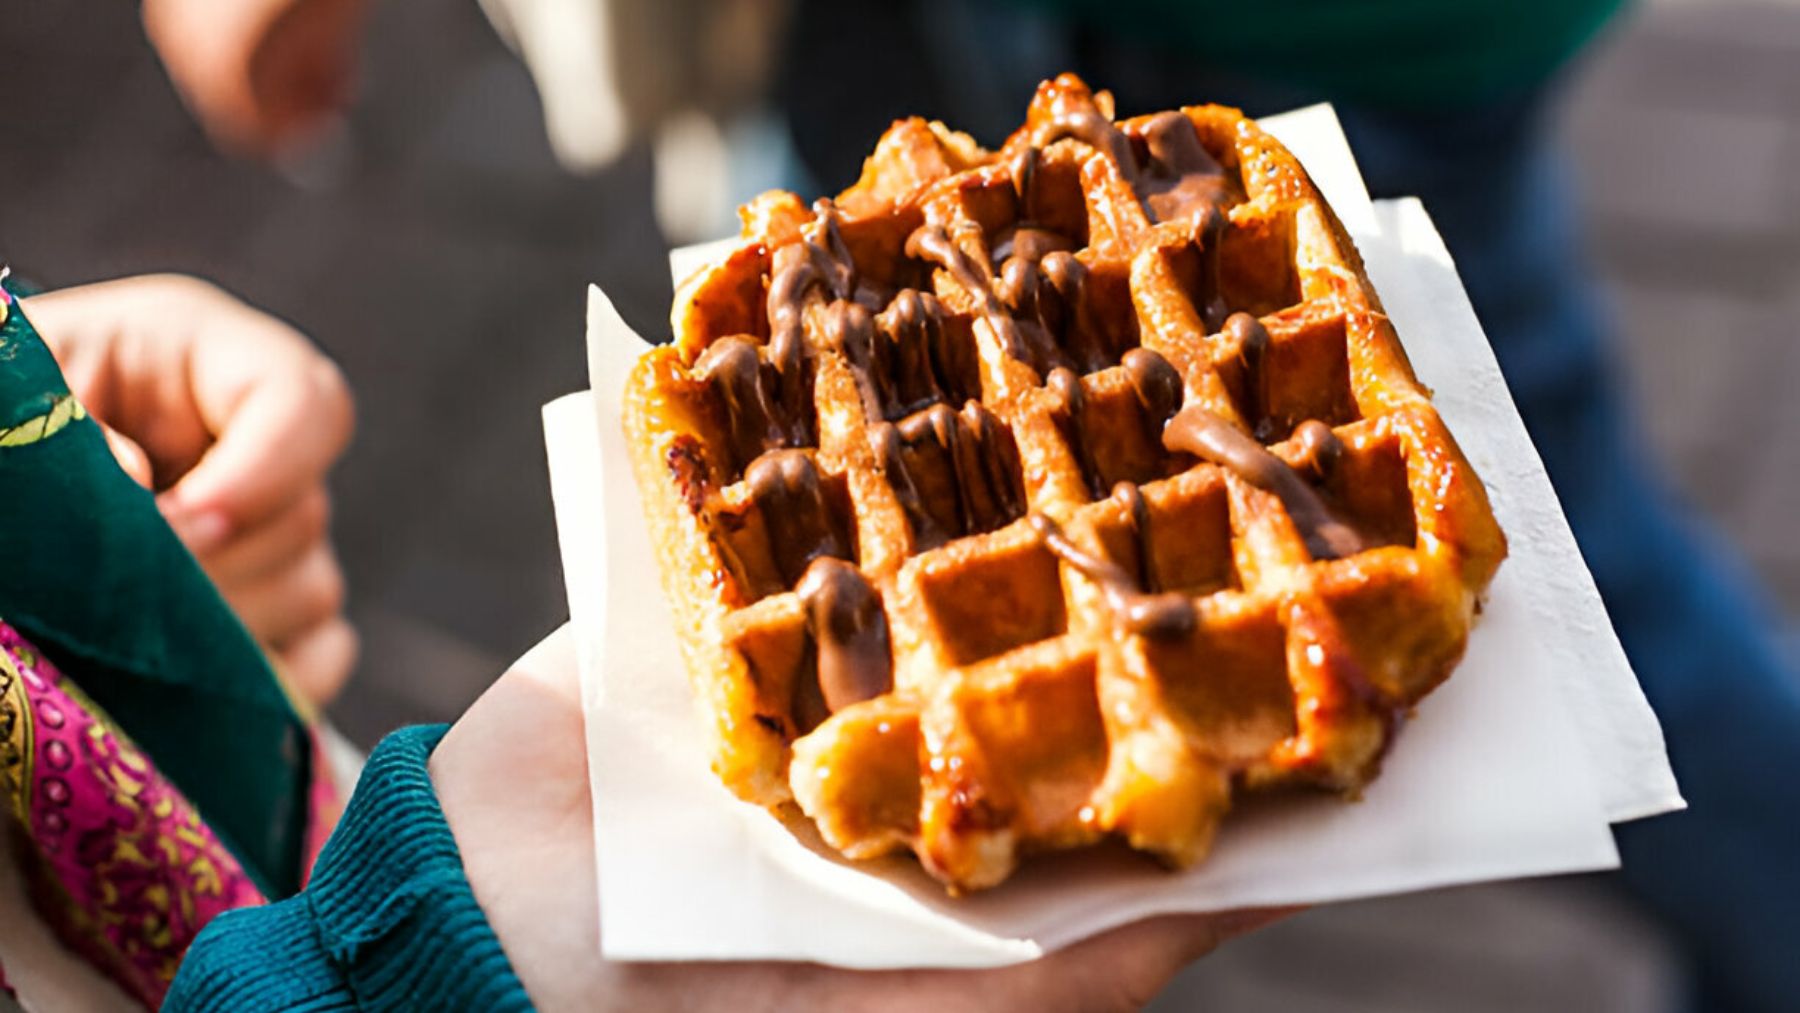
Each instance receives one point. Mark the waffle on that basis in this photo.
(1017, 500)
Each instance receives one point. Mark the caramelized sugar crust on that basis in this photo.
(1013, 500)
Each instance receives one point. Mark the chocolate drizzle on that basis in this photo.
(1040, 282)
(1074, 114)
(1137, 514)
(1025, 239)
(903, 359)
(753, 397)
(1250, 336)
(767, 402)
(1159, 616)
(1194, 430)
(1252, 341)
(884, 440)
(1320, 448)
(801, 524)
(954, 473)
(1067, 417)
(850, 331)
(850, 632)
(1182, 182)
(793, 275)
(1029, 244)
(1017, 286)
(1053, 319)
(929, 363)
(1179, 181)
(1023, 167)
(1070, 314)
(932, 244)
(1156, 384)
(819, 259)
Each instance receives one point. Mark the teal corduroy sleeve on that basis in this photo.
(387, 923)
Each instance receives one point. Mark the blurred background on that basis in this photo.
(436, 248)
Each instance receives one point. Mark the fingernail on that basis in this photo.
(202, 532)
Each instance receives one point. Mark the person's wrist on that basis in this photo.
(511, 777)
(391, 899)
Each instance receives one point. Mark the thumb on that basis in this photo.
(1126, 967)
(130, 456)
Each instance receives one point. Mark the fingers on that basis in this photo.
(130, 456)
(262, 76)
(1160, 947)
(275, 434)
(236, 417)
(284, 582)
(237, 411)
(293, 601)
(319, 662)
(1125, 968)
(304, 71)
(255, 555)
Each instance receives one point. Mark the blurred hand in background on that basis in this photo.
(264, 77)
(233, 418)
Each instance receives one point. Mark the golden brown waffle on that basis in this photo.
(1019, 499)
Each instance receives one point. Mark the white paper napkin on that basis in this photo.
(1515, 767)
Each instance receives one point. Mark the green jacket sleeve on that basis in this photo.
(387, 923)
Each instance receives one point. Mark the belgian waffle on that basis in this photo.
(1015, 500)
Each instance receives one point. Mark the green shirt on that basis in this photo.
(1400, 52)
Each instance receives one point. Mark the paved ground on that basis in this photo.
(442, 259)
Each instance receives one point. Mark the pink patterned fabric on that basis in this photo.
(325, 806)
(124, 867)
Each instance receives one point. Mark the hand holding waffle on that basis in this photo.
(532, 869)
(1018, 500)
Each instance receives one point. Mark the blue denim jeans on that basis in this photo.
(1724, 876)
